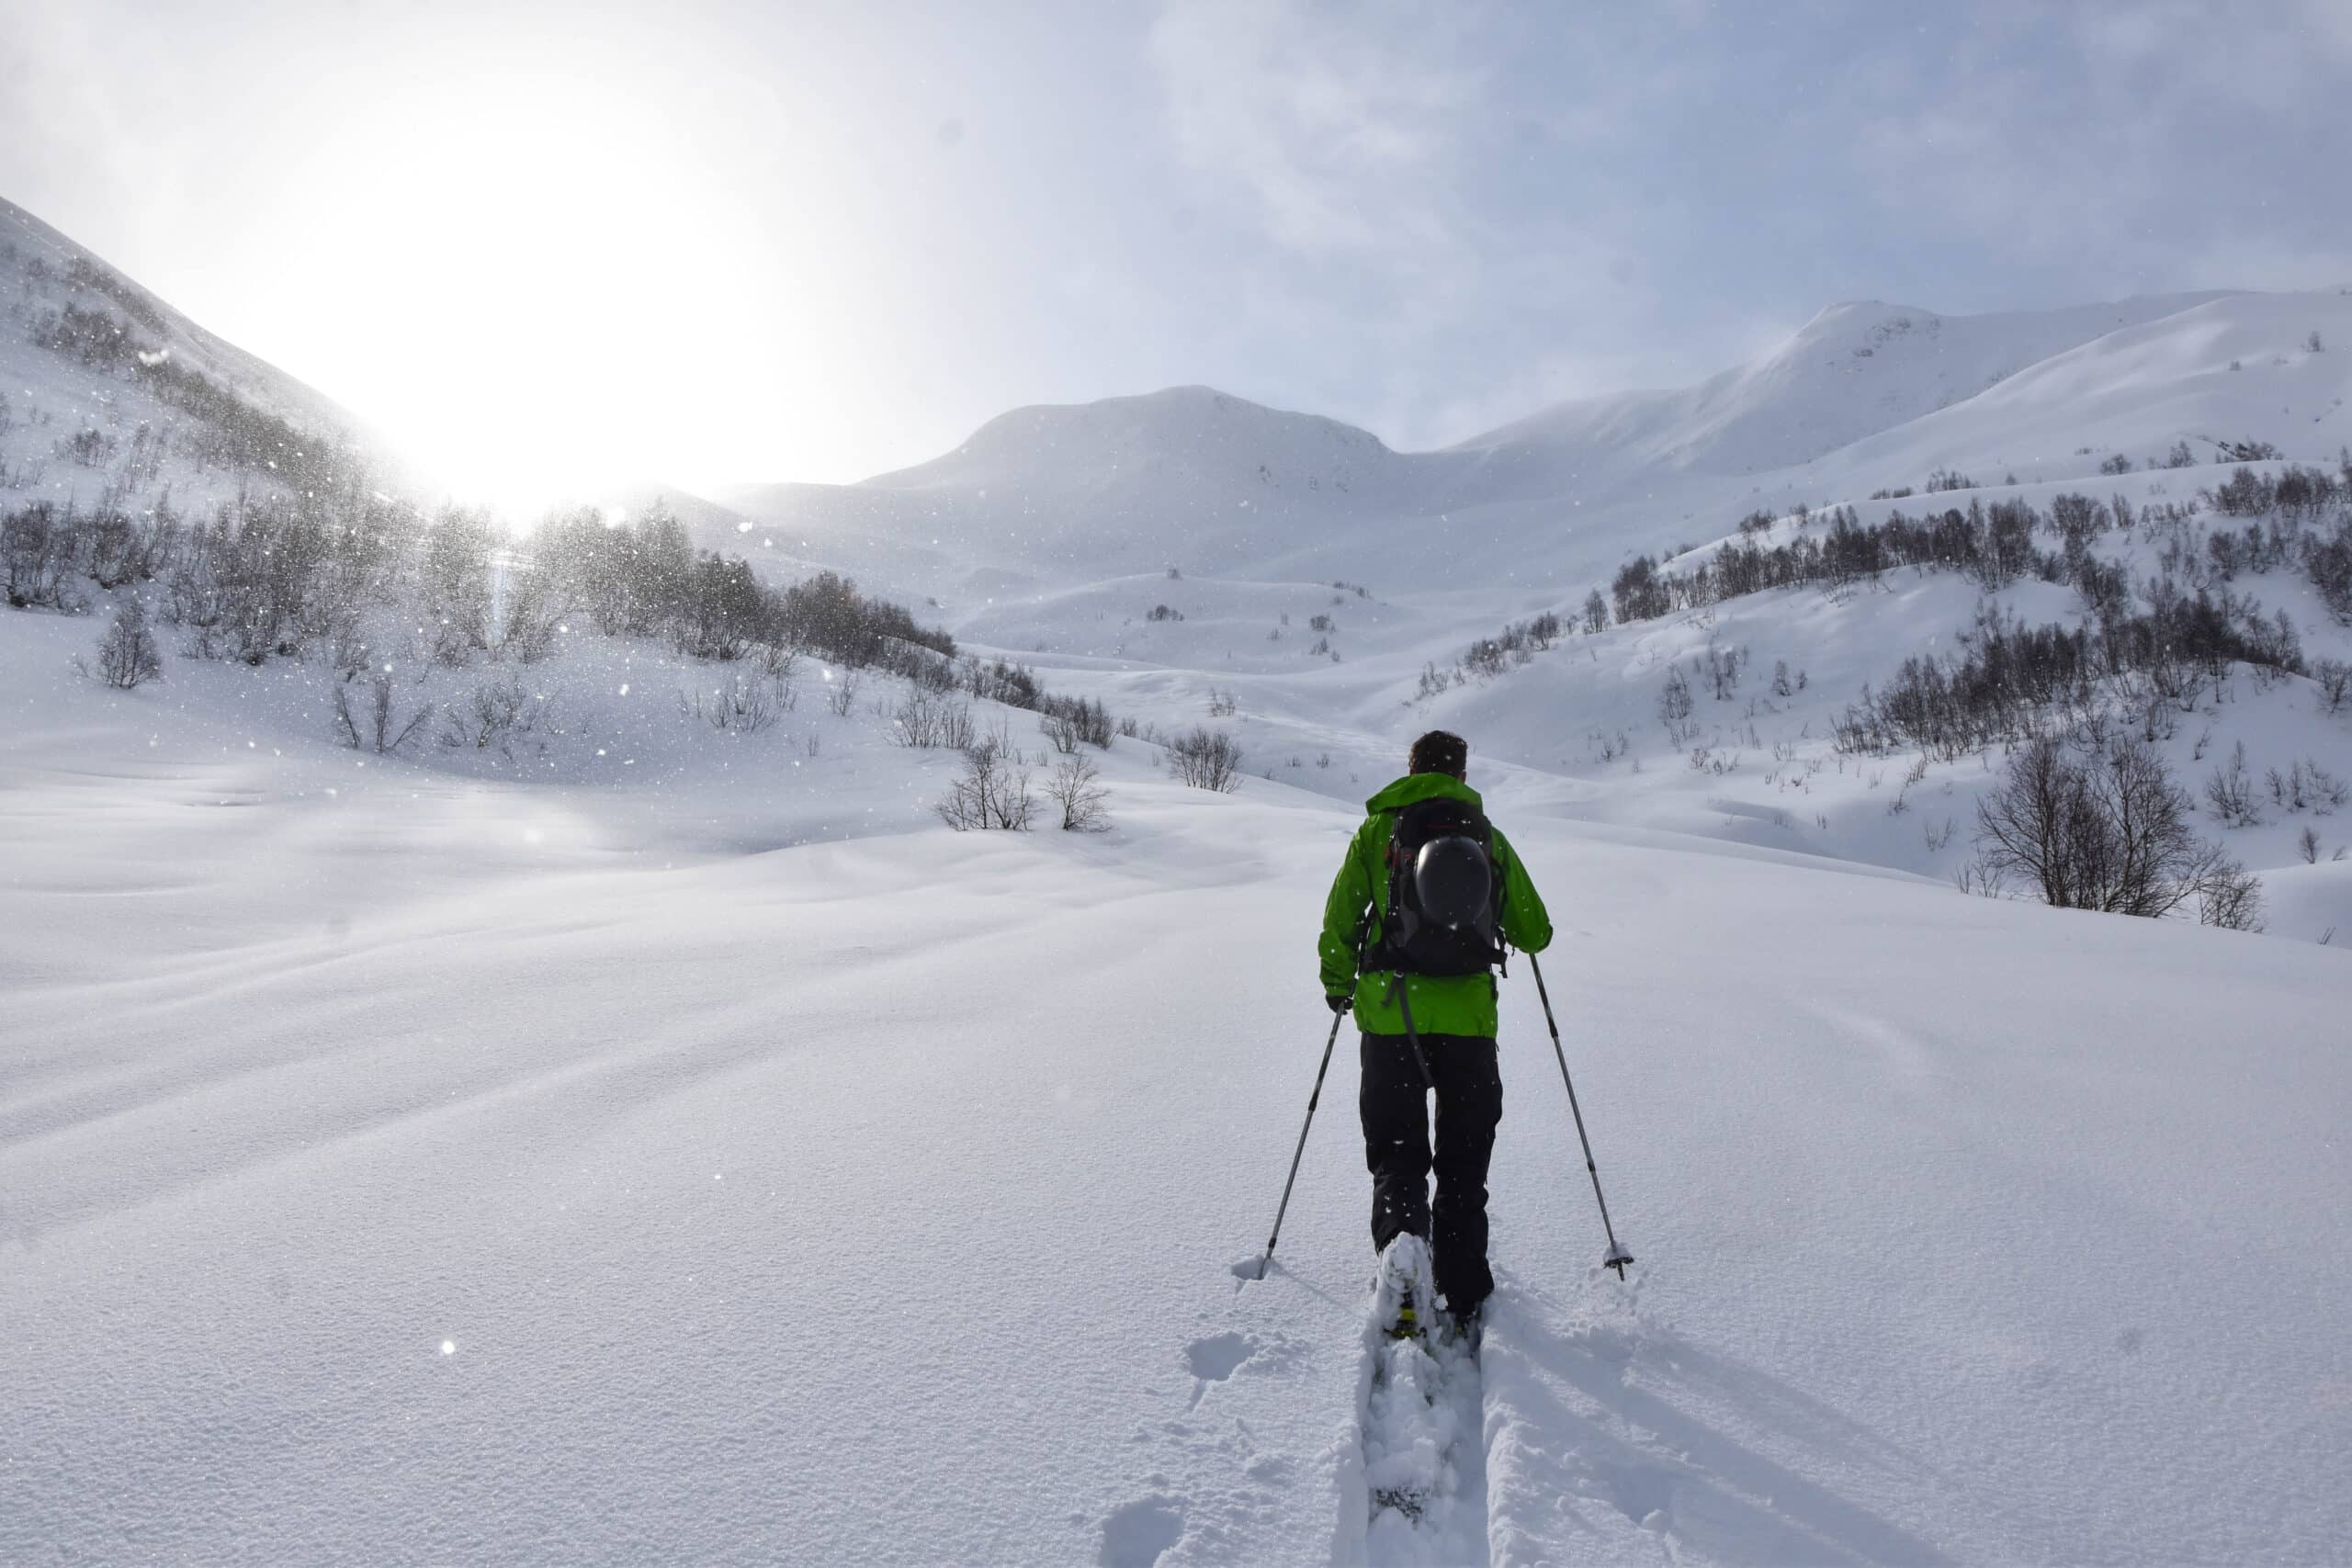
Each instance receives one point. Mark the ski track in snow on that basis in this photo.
(1423, 1427)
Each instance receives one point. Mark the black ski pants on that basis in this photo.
(1396, 1147)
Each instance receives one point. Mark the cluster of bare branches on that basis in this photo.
(2109, 831)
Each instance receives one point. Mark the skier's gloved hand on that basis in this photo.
(1340, 1002)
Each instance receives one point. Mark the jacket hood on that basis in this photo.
(1424, 787)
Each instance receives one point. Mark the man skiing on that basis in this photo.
(1427, 896)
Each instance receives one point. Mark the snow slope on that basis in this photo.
(401, 1167)
(1854, 371)
(54, 393)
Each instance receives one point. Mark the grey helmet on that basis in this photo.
(1454, 881)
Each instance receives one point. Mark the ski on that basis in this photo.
(1406, 1435)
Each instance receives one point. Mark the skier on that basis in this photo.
(1415, 924)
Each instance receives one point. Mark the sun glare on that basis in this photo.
(552, 296)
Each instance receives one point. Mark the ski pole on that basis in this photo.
(1618, 1256)
(1300, 1150)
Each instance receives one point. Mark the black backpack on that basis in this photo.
(1445, 897)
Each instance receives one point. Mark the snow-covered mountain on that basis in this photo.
(1853, 371)
(1866, 397)
(114, 395)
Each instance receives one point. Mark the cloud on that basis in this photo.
(2123, 143)
(1339, 129)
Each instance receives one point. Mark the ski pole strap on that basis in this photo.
(1399, 993)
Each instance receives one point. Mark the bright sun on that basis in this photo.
(536, 290)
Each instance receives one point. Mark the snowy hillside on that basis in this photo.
(1853, 371)
(114, 398)
(506, 1061)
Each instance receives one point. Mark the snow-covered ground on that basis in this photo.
(403, 1167)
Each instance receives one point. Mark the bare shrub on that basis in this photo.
(2231, 898)
(378, 730)
(499, 714)
(924, 719)
(1982, 877)
(533, 619)
(127, 654)
(1069, 720)
(746, 703)
(1674, 708)
(1075, 786)
(2109, 833)
(2334, 679)
(2230, 791)
(992, 793)
(1207, 759)
(841, 692)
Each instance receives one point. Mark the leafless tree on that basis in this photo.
(127, 654)
(1075, 786)
(1207, 759)
(2335, 679)
(1596, 613)
(992, 793)
(2109, 833)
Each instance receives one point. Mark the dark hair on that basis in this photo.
(1439, 752)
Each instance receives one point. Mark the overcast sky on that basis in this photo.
(712, 241)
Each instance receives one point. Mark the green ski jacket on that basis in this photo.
(1443, 1004)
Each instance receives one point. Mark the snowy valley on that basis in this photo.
(504, 1060)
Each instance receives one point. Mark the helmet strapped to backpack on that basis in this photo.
(1444, 898)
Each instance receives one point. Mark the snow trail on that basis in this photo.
(1420, 1420)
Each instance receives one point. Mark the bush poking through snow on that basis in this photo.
(1075, 787)
(2230, 791)
(1206, 759)
(2333, 677)
(2109, 833)
(127, 654)
(378, 730)
(1674, 708)
(746, 703)
(841, 692)
(924, 719)
(2232, 899)
(993, 793)
(500, 713)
